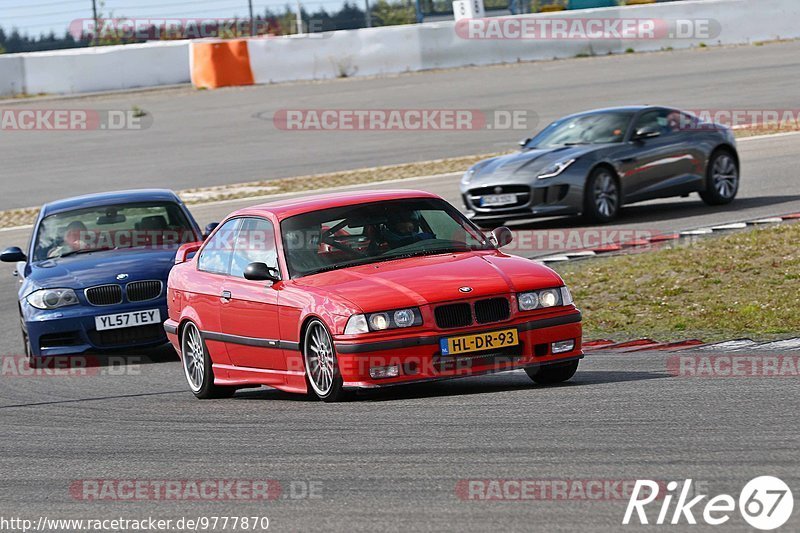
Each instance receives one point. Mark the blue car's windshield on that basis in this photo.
(595, 128)
(94, 229)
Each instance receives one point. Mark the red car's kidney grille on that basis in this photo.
(453, 315)
(492, 310)
(104, 295)
(460, 315)
(139, 291)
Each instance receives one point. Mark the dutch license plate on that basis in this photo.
(498, 199)
(481, 341)
(127, 320)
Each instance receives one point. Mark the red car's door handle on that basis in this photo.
(226, 295)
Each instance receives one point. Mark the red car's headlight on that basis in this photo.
(528, 301)
(398, 318)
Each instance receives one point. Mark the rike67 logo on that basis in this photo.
(766, 503)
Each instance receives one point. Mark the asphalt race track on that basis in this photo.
(769, 186)
(396, 457)
(203, 138)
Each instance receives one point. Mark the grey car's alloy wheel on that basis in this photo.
(722, 180)
(602, 196)
(197, 365)
(322, 368)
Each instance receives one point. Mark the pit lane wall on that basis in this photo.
(103, 68)
(372, 51)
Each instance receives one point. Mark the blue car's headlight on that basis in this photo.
(554, 170)
(52, 298)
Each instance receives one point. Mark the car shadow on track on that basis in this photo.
(506, 382)
(160, 354)
(658, 212)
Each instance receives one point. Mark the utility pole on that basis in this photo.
(94, 17)
(299, 18)
(252, 20)
(368, 14)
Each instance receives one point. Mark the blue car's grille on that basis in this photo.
(125, 336)
(104, 295)
(139, 291)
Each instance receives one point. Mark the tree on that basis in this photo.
(393, 14)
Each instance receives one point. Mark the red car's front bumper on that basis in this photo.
(419, 358)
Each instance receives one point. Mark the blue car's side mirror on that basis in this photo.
(12, 255)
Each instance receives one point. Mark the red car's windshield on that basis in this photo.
(366, 233)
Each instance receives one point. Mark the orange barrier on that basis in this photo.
(221, 64)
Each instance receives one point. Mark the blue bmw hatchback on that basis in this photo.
(95, 274)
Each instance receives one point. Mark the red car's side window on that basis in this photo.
(215, 257)
(255, 243)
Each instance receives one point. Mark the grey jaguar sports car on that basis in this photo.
(593, 163)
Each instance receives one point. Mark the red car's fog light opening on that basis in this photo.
(562, 346)
(380, 372)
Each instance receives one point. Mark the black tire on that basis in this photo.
(322, 366)
(200, 377)
(33, 361)
(552, 374)
(722, 178)
(602, 198)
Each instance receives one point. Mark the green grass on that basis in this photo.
(744, 284)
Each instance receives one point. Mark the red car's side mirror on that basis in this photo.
(501, 236)
(186, 250)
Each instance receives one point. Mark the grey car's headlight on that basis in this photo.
(398, 318)
(465, 179)
(554, 170)
(52, 298)
(528, 301)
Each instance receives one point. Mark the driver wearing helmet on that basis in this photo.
(402, 228)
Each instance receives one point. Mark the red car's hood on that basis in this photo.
(424, 280)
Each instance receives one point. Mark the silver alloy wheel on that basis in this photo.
(606, 196)
(320, 362)
(194, 361)
(725, 176)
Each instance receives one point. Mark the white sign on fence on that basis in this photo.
(468, 9)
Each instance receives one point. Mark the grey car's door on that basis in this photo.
(653, 166)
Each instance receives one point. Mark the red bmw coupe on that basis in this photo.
(360, 290)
